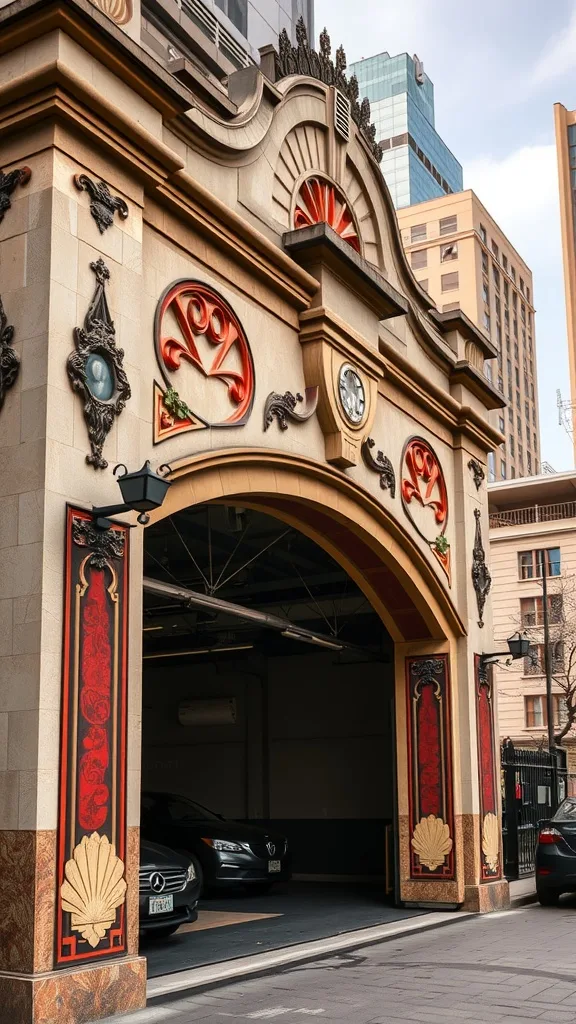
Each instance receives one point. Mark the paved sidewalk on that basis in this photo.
(505, 968)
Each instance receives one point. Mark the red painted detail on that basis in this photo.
(425, 481)
(320, 202)
(487, 766)
(429, 737)
(96, 669)
(201, 312)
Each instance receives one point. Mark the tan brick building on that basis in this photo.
(462, 259)
(533, 522)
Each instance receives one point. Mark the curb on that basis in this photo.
(168, 988)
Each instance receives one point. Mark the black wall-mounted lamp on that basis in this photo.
(143, 491)
(518, 647)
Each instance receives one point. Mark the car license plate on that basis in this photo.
(161, 904)
(274, 866)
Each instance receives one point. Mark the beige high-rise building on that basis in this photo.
(533, 524)
(463, 260)
(565, 124)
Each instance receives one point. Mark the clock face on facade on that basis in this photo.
(352, 394)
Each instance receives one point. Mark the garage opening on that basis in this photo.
(268, 700)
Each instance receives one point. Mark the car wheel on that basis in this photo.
(548, 897)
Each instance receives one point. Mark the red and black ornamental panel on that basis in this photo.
(91, 914)
(488, 779)
(431, 813)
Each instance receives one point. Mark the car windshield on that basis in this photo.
(177, 808)
(566, 811)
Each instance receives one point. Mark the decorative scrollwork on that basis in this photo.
(104, 544)
(95, 369)
(8, 183)
(102, 202)
(381, 464)
(283, 407)
(9, 360)
(423, 482)
(426, 674)
(481, 578)
(303, 60)
(477, 472)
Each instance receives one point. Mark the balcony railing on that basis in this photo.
(533, 514)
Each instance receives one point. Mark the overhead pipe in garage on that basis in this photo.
(192, 598)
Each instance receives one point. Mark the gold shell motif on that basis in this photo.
(431, 841)
(94, 887)
(119, 10)
(491, 841)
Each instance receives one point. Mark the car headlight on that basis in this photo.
(190, 874)
(223, 845)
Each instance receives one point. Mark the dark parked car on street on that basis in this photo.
(169, 890)
(556, 855)
(224, 853)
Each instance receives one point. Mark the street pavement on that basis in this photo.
(514, 967)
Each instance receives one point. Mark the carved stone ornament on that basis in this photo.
(426, 673)
(303, 60)
(9, 360)
(105, 544)
(425, 498)
(283, 407)
(431, 841)
(320, 202)
(481, 578)
(120, 11)
(102, 202)
(94, 887)
(381, 464)
(8, 183)
(477, 472)
(491, 841)
(95, 369)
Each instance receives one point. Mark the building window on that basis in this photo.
(501, 424)
(522, 285)
(449, 252)
(535, 710)
(506, 292)
(510, 414)
(418, 233)
(448, 225)
(515, 328)
(484, 262)
(494, 248)
(520, 453)
(513, 274)
(517, 376)
(502, 469)
(511, 445)
(516, 352)
(519, 426)
(528, 293)
(508, 344)
(532, 610)
(505, 262)
(487, 322)
(509, 368)
(518, 401)
(483, 234)
(527, 413)
(499, 336)
(515, 300)
(529, 461)
(449, 306)
(535, 443)
(449, 282)
(485, 292)
(530, 563)
(491, 467)
(419, 259)
(496, 276)
(512, 472)
(501, 384)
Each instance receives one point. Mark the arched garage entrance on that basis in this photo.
(277, 695)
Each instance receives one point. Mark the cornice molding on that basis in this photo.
(321, 323)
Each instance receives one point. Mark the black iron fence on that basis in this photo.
(534, 783)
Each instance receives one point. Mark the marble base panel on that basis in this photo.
(27, 865)
(482, 899)
(74, 996)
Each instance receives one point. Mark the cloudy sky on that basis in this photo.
(497, 70)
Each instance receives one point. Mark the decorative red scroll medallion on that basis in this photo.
(431, 816)
(425, 497)
(92, 816)
(320, 202)
(194, 325)
(489, 814)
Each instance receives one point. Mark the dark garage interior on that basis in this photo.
(289, 725)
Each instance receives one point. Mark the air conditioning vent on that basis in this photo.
(341, 115)
(208, 23)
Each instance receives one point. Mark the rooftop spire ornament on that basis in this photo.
(303, 60)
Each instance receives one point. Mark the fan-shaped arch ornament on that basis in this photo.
(320, 202)
(196, 325)
(120, 11)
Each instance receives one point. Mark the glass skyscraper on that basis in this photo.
(416, 163)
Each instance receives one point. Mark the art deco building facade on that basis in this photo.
(533, 524)
(463, 260)
(201, 270)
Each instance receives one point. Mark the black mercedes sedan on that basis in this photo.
(169, 890)
(556, 855)
(224, 853)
